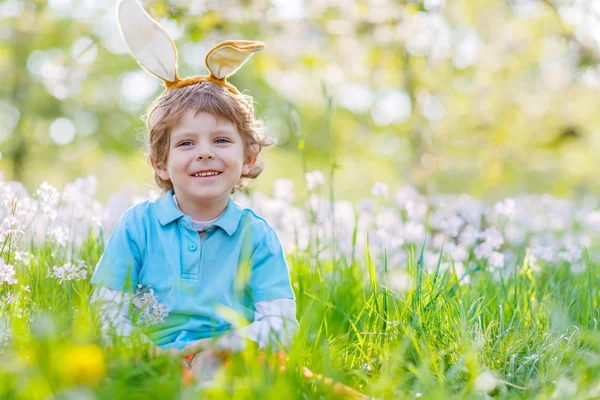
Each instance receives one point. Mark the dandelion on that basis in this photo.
(380, 190)
(83, 364)
(314, 179)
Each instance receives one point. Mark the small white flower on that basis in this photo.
(380, 190)
(496, 260)
(152, 312)
(486, 382)
(283, 189)
(469, 236)
(314, 179)
(399, 281)
(60, 235)
(483, 250)
(506, 208)
(7, 273)
(48, 197)
(70, 272)
(493, 237)
(10, 226)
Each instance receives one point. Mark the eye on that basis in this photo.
(222, 140)
(185, 142)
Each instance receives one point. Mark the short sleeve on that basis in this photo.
(269, 278)
(120, 263)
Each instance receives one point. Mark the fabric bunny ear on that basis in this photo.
(227, 57)
(149, 42)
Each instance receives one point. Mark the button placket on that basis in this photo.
(190, 256)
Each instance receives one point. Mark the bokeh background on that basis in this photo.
(486, 97)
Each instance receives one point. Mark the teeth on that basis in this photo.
(206, 174)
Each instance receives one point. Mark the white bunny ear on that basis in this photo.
(149, 42)
(227, 57)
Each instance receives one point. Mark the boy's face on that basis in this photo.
(203, 144)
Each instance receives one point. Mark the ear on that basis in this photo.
(227, 57)
(250, 159)
(161, 170)
(149, 42)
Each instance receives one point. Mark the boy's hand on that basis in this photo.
(196, 347)
(156, 351)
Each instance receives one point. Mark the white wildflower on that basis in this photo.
(405, 195)
(492, 237)
(506, 208)
(70, 272)
(59, 235)
(469, 236)
(531, 261)
(570, 254)
(10, 226)
(496, 260)
(283, 189)
(483, 250)
(399, 281)
(22, 256)
(380, 190)
(457, 252)
(416, 210)
(543, 252)
(48, 197)
(414, 232)
(152, 312)
(565, 388)
(314, 179)
(486, 382)
(514, 234)
(7, 273)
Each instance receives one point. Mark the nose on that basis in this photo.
(205, 154)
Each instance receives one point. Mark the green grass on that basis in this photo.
(536, 332)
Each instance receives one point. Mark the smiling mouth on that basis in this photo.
(208, 174)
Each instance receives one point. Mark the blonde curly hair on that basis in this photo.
(166, 112)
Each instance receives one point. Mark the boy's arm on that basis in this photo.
(274, 326)
(274, 323)
(114, 311)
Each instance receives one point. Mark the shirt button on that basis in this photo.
(192, 247)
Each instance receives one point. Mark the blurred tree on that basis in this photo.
(465, 95)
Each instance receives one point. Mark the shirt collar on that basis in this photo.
(167, 212)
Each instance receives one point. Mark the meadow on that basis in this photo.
(399, 296)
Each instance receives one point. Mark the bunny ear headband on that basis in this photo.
(155, 51)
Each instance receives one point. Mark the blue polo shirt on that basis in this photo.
(239, 262)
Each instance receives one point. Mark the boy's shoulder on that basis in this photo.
(142, 209)
(251, 220)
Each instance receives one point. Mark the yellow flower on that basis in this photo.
(83, 364)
